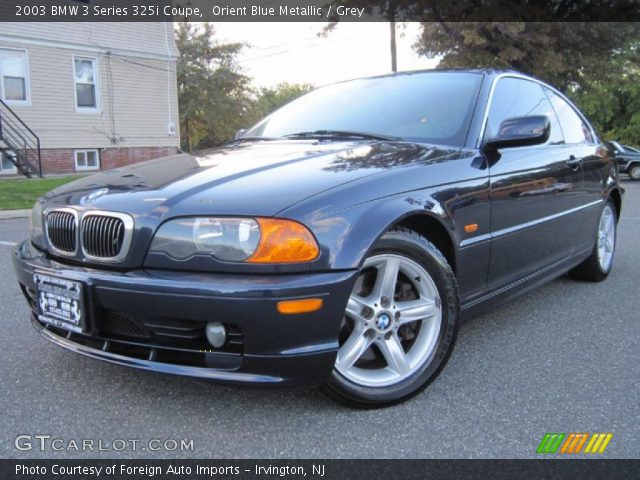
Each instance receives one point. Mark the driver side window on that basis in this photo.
(516, 97)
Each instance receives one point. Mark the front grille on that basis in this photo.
(62, 230)
(102, 236)
(117, 324)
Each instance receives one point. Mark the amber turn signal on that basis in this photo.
(290, 307)
(284, 241)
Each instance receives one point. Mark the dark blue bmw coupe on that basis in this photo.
(338, 242)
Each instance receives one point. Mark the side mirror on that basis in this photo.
(522, 132)
(240, 133)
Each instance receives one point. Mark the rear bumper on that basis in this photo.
(276, 349)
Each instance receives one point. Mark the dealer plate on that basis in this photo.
(60, 302)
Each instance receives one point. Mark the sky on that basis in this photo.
(293, 52)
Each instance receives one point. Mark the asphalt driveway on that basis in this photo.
(564, 358)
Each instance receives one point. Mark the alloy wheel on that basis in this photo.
(606, 238)
(392, 322)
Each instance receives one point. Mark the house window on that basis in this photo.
(87, 159)
(85, 76)
(6, 165)
(14, 78)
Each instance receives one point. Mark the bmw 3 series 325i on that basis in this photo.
(337, 243)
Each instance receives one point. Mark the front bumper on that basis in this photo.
(167, 312)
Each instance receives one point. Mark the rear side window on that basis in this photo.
(516, 97)
(573, 128)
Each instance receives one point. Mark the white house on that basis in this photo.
(93, 95)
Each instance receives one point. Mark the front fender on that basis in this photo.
(347, 235)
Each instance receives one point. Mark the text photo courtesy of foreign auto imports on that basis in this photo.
(323, 239)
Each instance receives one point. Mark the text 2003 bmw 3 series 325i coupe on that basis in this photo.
(338, 242)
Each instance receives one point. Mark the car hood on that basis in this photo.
(259, 178)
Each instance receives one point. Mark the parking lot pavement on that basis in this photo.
(563, 358)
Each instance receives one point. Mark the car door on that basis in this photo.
(534, 189)
(581, 144)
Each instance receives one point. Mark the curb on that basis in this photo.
(13, 214)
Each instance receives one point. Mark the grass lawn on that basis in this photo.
(21, 193)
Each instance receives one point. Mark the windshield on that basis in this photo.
(433, 107)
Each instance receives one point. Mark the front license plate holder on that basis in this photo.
(60, 302)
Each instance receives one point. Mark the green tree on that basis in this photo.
(215, 97)
(595, 64)
(613, 106)
(271, 99)
(565, 54)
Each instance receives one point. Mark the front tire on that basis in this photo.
(634, 172)
(598, 265)
(400, 324)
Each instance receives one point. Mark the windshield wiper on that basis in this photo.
(341, 134)
(252, 139)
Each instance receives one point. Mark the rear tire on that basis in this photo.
(598, 265)
(634, 172)
(400, 324)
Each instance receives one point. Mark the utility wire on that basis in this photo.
(298, 46)
(151, 67)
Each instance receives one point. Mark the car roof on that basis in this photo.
(482, 71)
(488, 72)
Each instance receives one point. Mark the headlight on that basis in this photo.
(36, 230)
(261, 240)
(228, 239)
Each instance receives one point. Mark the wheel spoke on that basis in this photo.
(355, 306)
(393, 353)
(415, 310)
(608, 224)
(386, 279)
(355, 346)
(607, 245)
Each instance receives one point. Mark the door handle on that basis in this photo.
(574, 162)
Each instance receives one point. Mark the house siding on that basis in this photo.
(137, 91)
(145, 39)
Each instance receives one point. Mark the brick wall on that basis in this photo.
(62, 161)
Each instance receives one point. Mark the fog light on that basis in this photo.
(216, 334)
